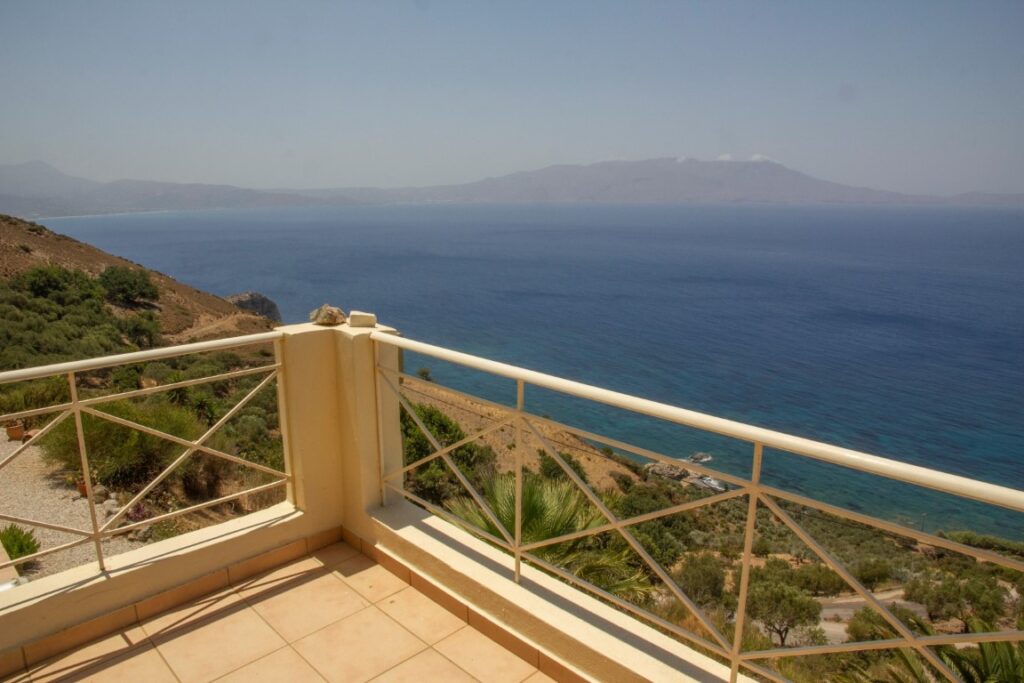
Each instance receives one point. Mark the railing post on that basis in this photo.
(76, 409)
(368, 419)
(518, 537)
(748, 545)
(282, 412)
(389, 426)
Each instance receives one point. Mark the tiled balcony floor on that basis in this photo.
(334, 615)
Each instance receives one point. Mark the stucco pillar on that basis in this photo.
(370, 434)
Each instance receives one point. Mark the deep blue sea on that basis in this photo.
(895, 331)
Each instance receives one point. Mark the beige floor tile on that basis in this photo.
(205, 608)
(333, 554)
(307, 606)
(145, 664)
(427, 620)
(359, 647)
(539, 677)
(281, 578)
(426, 667)
(370, 580)
(483, 658)
(76, 662)
(283, 665)
(203, 650)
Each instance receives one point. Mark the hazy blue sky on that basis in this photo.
(913, 96)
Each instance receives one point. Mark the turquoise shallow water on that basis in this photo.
(895, 331)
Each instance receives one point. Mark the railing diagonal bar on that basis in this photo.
(43, 553)
(868, 596)
(748, 546)
(443, 454)
(639, 519)
(629, 538)
(641, 451)
(413, 415)
(45, 525)
(190, 447)
(569, 577)
(448, 449)
(36, 437)
(136, 393)
(35, 412)
(452, 519)
(767, 673)
(478, 499)
(198, 506)
(898, 529)
(83, 454)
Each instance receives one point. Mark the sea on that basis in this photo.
(895, 331)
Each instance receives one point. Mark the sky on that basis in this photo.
(909, 96)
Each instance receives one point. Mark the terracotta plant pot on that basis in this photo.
(15, 432)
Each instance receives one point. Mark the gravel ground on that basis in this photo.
(32, 489)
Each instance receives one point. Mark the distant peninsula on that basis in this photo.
(36, 189)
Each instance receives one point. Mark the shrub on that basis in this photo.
(702, 579)
(143, 330)
(433, 481)
(872, 571)
(121, 457)
(762, 547)
(817, 579)
(18, 542)
(550, 469)
(127, 286)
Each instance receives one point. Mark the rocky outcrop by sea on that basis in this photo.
(256, 303)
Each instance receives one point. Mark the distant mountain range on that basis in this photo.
(36, 189)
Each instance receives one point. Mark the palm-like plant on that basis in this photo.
(998, 662)
(553, 508)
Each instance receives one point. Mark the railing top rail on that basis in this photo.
(845, 457)
(136, 357)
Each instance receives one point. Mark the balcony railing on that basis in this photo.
(344, 406)
(755, 492)
(78, 406)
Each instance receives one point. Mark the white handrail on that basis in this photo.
(845, 457)
(136, 357)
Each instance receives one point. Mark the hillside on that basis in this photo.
(185, 313)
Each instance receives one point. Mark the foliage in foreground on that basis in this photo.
(18, 542)
(553, 508)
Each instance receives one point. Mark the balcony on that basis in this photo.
(324, 487)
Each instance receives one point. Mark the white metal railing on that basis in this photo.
(523, 422)
(77, 406)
